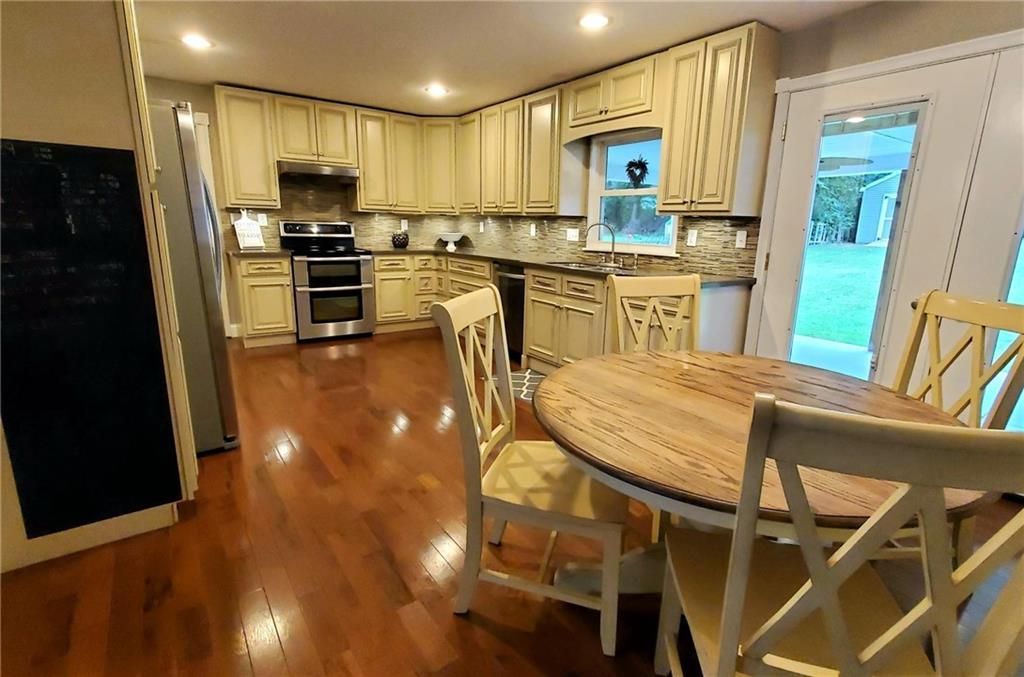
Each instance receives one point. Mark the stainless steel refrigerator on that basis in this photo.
(197, 269)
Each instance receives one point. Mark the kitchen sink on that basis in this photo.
(597, 267)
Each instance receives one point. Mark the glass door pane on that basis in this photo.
(864, 160)
(1015, 294)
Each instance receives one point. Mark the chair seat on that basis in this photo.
(701, 561)
(537, 475)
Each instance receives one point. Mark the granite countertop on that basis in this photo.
(257, 253)
(707, 279)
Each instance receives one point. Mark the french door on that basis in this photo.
(842, 270)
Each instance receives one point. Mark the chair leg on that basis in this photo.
(497, 531)
(963, 540)
(668, 622)
(658, 524)
(610, 591)
(471, 563)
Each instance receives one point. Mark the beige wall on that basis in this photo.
(887, 29)
(60, 82)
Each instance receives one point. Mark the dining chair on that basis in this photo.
(963, 364)
(509, 480)
(754, 605)
(654, 313)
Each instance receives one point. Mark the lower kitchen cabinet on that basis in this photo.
(565, 319)
(267, 300)
(393, 293)
(540, 339)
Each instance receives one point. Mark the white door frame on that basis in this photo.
(784, 87)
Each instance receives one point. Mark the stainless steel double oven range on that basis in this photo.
(333, 279)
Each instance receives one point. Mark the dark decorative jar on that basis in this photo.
(400, 240)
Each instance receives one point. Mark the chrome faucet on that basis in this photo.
(598, 225)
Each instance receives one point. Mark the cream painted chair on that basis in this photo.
(508, 480)
(654, 313)
(754, 605)
(641, 318)
(965, 360)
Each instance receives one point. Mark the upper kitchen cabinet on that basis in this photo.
(245, 123)
(336, 134)
(620, 92)
(720, 93)
(373, 191)
(467, 163)
(439, 165)
(554, 175)
(490, 161)
(296, 128)
(406, 163)
(315, 132)
(512, 157)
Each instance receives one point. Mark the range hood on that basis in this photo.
(343, 174)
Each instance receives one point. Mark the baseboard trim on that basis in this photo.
(264, 341)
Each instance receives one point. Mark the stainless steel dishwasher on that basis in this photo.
(512, 287)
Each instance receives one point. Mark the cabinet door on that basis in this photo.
(245, 120)
(629, 89)
(439, 166)
(490, 161)
(582, 331)
(543, 317)
(586, 100)
(467, 154)
(406, 163)
(336, 134)
(512, 157)
(721, 113)
(393, 293)
(541, 153)
(296, 128)
(374, 187)
(679, 142)
(268, 305)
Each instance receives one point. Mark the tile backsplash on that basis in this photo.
(323, 198)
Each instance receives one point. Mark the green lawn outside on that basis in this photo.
(839, 292)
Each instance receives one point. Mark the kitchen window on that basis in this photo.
(624, 194)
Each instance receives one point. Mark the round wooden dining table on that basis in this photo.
(670, 429)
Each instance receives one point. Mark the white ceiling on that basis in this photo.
(384, 53)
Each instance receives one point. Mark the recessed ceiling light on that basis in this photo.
(594, 21)
(436, 90)
(854, 119)
(196, 41)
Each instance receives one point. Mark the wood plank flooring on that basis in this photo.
(328, 544)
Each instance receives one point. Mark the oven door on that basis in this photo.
(334, 311)
(321, 272)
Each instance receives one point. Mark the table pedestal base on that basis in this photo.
(641, 572)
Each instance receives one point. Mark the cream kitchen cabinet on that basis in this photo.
(541, 153)
(265, 289)
(501, 158)
(394, 293)
(439, 171)
(467, 159)
(246, 128)
(336, 134)
(390, 162)
(616, 93)
(315, 132)
(565, 319)
(720, 93)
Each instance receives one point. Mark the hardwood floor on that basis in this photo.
(328, 544)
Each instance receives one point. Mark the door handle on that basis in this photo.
(351, 288)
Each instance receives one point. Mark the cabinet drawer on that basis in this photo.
(252, 267)
(426, 263)
(544, 281)
(391, 263)
(424, 283)
(589, 288)
(470, 267)
(423, 308)
(458, 286)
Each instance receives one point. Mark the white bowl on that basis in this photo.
(451, 239)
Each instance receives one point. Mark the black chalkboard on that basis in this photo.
(83, 393)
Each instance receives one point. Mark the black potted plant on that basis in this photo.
(400, 240)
